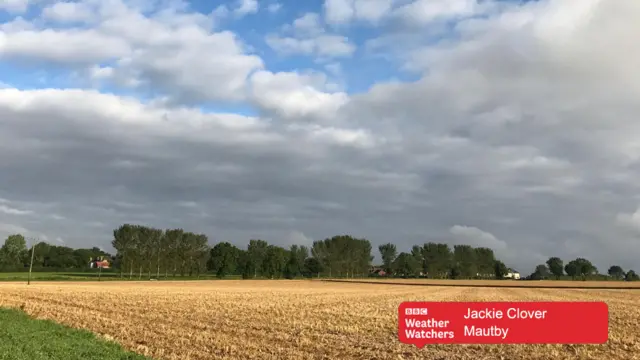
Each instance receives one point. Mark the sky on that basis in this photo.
(506, 124)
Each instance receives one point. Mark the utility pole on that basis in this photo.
(33, 250)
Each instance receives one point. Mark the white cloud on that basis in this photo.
(67, 46)
(246, 7)
(12, 211)
(293, 95)
(310, 38)
(475, 237)
(299, 238)
(101, 72)
(338, 11)
(10, 229)
(422, 12)
(17, 24)
(274, 8)
(169, 49)
(372, 10)
(14, 6)
(323, 46)
(629, 221)
(69, 12)
(308, 24)
(341, 12)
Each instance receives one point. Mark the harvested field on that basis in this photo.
(295, 319)
(550, 284)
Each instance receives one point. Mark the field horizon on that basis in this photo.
(532, 284)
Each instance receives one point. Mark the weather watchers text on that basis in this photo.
(423, 323)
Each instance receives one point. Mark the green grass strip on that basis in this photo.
(25, 338)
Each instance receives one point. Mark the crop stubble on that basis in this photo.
(295, 319)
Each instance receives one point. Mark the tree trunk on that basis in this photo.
(122, 262)
(131, 270)
(158, 263)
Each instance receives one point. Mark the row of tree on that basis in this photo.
(14, 255)
(148, 251)
(578, 268)
(436, 260)
(145, 250)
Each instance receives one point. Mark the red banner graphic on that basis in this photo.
(423, 323)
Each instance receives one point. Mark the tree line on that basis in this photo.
(146, 250)
(438, 260)
(14, 256)
(579, 268)
(151, 252)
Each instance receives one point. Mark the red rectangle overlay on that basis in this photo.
(423, 323)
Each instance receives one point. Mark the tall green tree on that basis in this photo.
(312, 267)
(583, 267)
(123, 242)
(388, 253)
(540, 273)
(556, 267)
(13, 251)
(416, 252)
(466, 260)
(275, 262)
(244, 267)
(320, 252)
(224, 259)
(173, 241)
(437, 260)
(257, 251)
(343, 255)
(295, 263)
(162, 256)
(631, 276)
(500, 270)
(200, 253)
(485, 259)
(616, 272)
(185, 252)
(406, 265)
(572, 269)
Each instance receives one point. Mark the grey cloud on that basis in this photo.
(505, 136)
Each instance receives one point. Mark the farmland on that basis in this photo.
(293, 319)
(551, 284)
(90, 276)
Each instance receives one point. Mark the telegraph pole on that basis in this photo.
(33, 250)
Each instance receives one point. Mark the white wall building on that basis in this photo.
(512, 274)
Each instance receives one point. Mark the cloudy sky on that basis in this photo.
(508, 124)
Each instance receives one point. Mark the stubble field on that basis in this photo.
(551, 284)
(295, 319)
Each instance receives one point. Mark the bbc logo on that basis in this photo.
(416, 311)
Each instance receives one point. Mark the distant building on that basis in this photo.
(376, 270)
(99, 262)
(512, 274)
